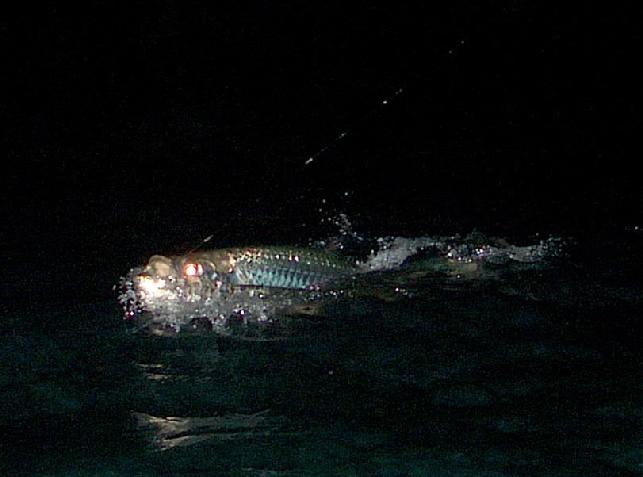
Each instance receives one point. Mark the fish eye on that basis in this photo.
(193, 270)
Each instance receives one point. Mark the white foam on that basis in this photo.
(394, 251)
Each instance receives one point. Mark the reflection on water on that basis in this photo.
(169, 432)
(521, 371)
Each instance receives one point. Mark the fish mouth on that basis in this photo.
(146, 292)
(163, 302)
(141, 291)
(153, 288)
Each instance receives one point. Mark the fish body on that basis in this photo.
(216, 284)
(261, 282)
(272, 267)
(287, 268)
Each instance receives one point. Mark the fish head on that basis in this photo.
(170, 289)
(191, 269)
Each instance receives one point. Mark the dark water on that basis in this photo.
(142, 130)
(526, 371)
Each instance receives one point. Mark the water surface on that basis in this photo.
(525, 370)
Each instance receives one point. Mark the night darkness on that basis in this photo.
(134, 128)
(143, 127)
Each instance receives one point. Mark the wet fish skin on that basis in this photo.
(279, 267)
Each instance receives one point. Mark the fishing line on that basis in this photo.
(312, 159)
(200, 244)
(376, 110)
(333, 142)
(379, 106)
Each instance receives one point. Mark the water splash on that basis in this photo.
(172, 304)
(392, 252)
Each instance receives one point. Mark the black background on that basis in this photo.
(142, 127)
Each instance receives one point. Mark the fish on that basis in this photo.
(258, 283)
(273, 267)
(213, 285)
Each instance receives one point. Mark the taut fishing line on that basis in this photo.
(312, 159)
